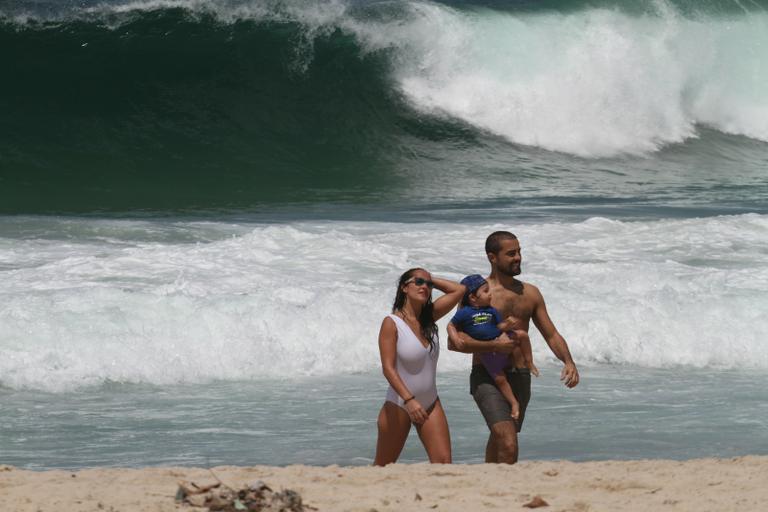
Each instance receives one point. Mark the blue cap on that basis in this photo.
(472, 282)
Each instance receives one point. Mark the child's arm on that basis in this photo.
(509, 324)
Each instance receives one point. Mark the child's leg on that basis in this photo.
(525, 348)
(506, 391)
(494, 364)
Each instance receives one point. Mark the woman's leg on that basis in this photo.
(435, 436)
(394, 425)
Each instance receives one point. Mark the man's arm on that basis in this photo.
(569, 375)
(461, 342)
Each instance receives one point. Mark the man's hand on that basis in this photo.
(570, 375)
(455, 340)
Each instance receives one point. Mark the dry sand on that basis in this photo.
(738, 484)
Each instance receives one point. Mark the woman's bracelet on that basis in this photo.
(408, 399)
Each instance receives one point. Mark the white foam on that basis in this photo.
(594, 82)
(307, 299)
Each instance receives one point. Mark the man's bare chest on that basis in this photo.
(513, 304)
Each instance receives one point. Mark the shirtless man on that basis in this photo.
(523, 301)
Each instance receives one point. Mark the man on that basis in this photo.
(523, 301)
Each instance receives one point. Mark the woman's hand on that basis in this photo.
(416, 412)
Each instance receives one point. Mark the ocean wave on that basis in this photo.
(226, 104)
(160, 302)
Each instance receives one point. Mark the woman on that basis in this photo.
(409, 349)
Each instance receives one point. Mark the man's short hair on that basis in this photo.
(493, 242)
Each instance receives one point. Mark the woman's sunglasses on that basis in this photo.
(420, 281)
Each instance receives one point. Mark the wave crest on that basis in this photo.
(234, 103)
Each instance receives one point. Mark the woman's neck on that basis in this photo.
(410, 312)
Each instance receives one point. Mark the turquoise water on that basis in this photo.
(204, 208)
(615, 413)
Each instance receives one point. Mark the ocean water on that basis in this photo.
(205, 205)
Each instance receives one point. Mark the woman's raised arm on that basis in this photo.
(452, 294)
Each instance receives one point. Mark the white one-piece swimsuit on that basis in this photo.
(416, 366)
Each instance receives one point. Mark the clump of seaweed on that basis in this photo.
(255, 497)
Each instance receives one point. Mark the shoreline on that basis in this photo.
(693, 485)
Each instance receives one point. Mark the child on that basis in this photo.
(479, 320)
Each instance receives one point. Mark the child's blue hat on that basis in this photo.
(472, 282)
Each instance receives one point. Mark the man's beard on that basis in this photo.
(512, 270)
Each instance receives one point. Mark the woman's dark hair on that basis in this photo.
(426, 318)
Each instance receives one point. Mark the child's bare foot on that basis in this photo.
(515, 414)
(534, 370)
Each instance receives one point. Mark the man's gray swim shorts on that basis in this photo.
(489, 399)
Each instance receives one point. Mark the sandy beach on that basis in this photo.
(694, 485)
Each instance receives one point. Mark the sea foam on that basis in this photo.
(595, 82)
(160, 302)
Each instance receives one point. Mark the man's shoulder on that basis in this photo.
(531, 292)
(529, 287)
(522, 293)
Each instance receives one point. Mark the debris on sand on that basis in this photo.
(536, 502)
(256, 497)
